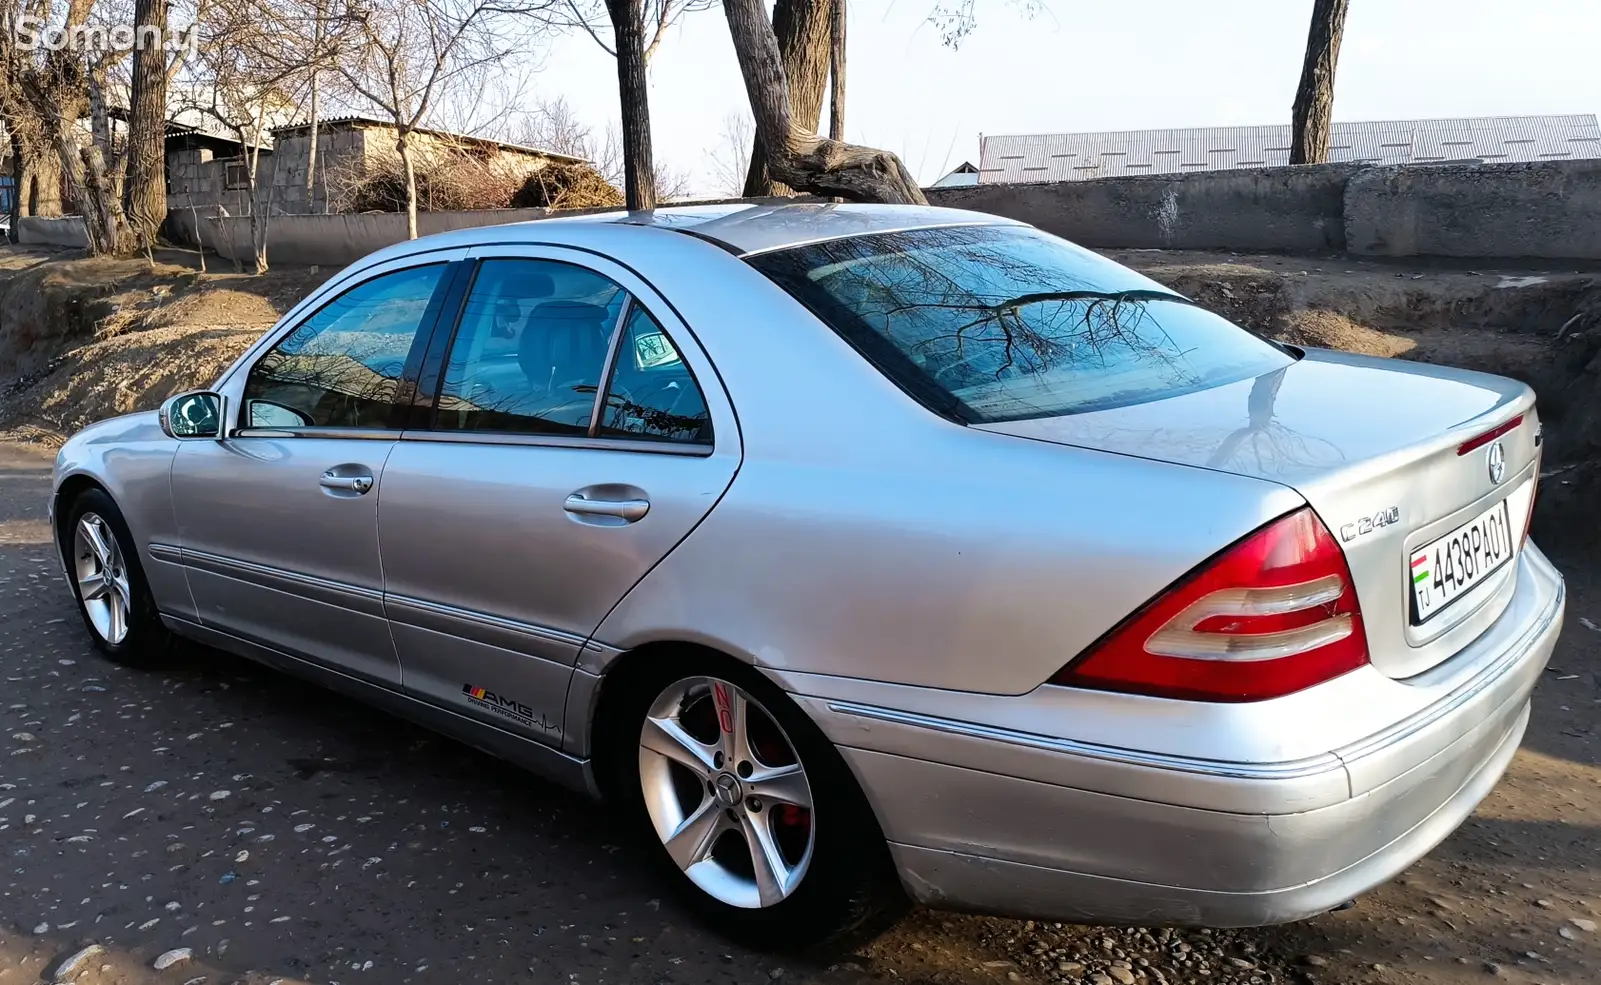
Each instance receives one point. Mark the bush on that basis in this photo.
(566, 186)
(456, 182)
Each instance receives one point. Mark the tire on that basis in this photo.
(838, 883)
(120, 613)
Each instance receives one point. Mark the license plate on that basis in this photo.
(1446, 569)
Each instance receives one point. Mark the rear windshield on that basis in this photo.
(1002, 323)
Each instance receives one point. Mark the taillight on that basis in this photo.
(1271, 615)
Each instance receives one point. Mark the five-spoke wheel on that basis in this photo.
(747, 808)
(726, 792)
(103, 566)
(102, 578)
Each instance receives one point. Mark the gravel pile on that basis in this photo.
(1057, 952)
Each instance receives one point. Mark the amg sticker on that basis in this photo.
(508, 708)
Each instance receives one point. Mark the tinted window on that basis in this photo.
(530, 350)
(653, 395)
(1003, 323)
(339, 368)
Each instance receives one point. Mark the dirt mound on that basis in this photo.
(86, 339)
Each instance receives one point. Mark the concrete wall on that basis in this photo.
(1548, 210)
(329, 240)
(1288, 209)
(64, 231)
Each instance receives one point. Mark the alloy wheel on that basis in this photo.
(726, 792)
(102, 578)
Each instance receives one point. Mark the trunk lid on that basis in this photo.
(1375, 447)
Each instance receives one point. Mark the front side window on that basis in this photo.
(530, 350)
(652, 395)
(340, 367)
(1000, 323)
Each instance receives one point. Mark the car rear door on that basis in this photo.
(513, 518)
(278, 521)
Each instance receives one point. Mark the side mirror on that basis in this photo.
(193, 415)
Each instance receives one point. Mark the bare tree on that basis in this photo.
(793, 152)
(803, 29)
(729, 157)
(836, 73)
(1314, 98)
(592, 16)
(48, 90)
(146, 182)
(628, 34)
(406, 56)
(248, 80)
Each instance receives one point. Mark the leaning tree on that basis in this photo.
(789, 146)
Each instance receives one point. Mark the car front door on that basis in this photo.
(578, 434)
(278, 521)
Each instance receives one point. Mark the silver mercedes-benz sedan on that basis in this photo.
(859, 554)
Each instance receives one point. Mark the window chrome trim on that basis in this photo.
(351, 434)
(561, 441)
(609, 366)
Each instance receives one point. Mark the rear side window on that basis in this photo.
(652, 394)
(530, 350)
(1002, 323)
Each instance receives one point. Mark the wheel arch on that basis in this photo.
(69, 490)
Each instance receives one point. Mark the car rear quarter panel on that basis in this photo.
(866, 537)
(131, 458)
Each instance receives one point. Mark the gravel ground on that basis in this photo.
(236, 825)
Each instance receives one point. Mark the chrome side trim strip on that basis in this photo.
(595, 657)
(560, 441)
(347, 434)
(448, 619)
(369, 601)
(1289, 770)
(166, 552)
(1465, 692)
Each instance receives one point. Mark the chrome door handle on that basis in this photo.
(358, 484)
(623, 509)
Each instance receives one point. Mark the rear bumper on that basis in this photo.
(983, 818)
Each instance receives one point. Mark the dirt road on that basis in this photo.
(278, 832)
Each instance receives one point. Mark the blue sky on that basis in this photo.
(1097, 65)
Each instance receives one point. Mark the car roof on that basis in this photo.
(742, 228)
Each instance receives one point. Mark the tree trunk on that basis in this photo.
(21, 174)
(89, 186)
(311, 151)
(836, 73)
(1314, 98)
(404, 147)
(45, 195)
(795, 155)
(146, 184)
(628, 34)
(802, 29)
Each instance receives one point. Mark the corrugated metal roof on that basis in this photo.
(961, 176)
(1080, 156)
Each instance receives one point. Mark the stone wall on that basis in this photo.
(1276, 209)
(1550, 210)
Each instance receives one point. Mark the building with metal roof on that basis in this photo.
(1081, 156)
